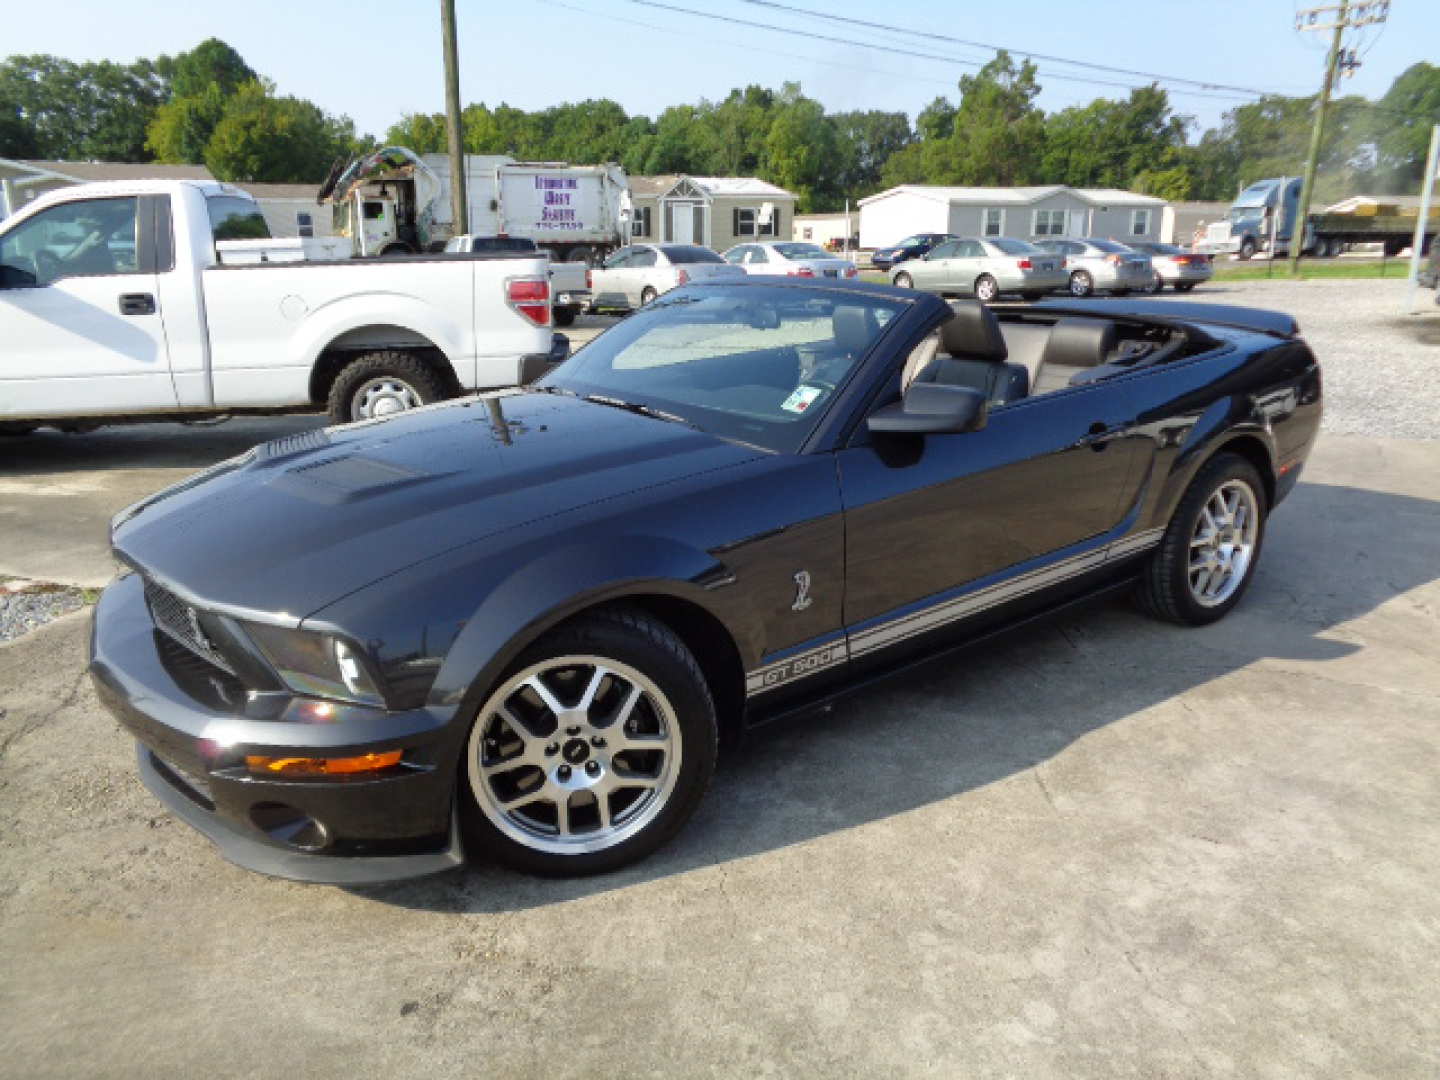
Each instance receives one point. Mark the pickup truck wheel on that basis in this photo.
(592, 751)
(381, 384)
(1207, 557)
(565, 316)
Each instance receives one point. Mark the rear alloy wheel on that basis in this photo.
(1081, 283)
(381, 384)
(1207, 557)
(593, 751)
(986, 288)
(904, 281)
(647, 294)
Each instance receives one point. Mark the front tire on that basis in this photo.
(383, 383)
(647, 294)
(592, 751)
(1082, 284)
(986, 288)
(1207, 557)
(904, 281)
(1247, 249)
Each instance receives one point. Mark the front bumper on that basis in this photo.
(194, 734)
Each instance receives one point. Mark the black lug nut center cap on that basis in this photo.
(576, 751)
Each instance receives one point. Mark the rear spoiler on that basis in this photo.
(1259, 320)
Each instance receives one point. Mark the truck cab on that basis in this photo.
(1261, 219)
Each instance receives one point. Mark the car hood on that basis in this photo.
(297, 523)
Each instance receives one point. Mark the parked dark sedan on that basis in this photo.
(912, 247)
(527, 618)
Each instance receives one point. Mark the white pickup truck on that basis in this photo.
(116, 305)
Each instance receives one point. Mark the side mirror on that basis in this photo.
(932, 409)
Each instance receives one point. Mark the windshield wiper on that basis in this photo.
(637, 407)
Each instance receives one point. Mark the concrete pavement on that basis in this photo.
(1114, 848)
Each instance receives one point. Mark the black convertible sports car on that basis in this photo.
(526, 619)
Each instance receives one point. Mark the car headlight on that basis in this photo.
(317, 665)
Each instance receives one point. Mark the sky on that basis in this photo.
(376, 61)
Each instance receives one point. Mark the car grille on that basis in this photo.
(180, 622)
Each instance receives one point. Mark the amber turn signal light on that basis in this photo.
(320, 766)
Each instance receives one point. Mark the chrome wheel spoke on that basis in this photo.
(1222, 542)
(542, 691)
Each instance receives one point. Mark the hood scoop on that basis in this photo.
(348, 478)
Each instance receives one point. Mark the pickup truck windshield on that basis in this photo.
(758, 365)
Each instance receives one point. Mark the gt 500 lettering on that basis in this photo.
(795, 667)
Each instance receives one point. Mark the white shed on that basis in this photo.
(1027, 213)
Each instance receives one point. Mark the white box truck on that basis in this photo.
(394, 201)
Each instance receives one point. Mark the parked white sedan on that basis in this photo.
(635, 275)
(792, 259)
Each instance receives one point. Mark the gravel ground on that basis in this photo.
(1369, 350)
(28, 605)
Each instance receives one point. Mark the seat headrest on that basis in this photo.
(1078, 342)
(974, 333)
(854, 327)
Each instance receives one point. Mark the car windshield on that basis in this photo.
(801, 251)
(913, 241)
(754, 364)
(1110, 246)
(1246, 213)
(1014, 247)
(683, 254)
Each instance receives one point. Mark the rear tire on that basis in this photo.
(647, 294)
(1082, 284)
(987, 289)
(1205, 562)
(383, 383)
(904, 281)
(564, 316)
(648, 694)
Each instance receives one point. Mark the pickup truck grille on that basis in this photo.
(180, 622)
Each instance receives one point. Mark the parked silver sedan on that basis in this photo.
(1102, 264)
(635, 275)
(1174, 266)
(791, 258)
(983, 268)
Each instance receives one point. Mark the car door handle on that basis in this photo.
(137, 303)
(1099, 436)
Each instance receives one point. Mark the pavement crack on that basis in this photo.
(1044, 788)
(13, 737)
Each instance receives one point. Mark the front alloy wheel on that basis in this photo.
(1081, 283)
(595, 750)
(986, 288)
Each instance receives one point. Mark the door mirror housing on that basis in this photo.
(932, 409)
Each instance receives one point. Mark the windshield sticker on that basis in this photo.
(801, 398)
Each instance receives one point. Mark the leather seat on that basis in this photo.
(972, 352)
(1074, 346)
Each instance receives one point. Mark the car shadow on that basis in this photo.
(1333, 554)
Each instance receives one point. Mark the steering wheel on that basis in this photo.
(47, 266)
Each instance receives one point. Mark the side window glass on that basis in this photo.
(643, 257)
(737, 255)
(758, 255)
(619, 260)
(945, 251)
(77, 239)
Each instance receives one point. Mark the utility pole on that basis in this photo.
(1422, 222)
(1346, 14)
(458, 204)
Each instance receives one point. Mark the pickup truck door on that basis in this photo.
(79, 312)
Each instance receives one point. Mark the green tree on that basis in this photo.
(202, 83)
(1411, 108)
(999, 133)
(867, 141)
(17, 137)
(422, 132)
(802, 149)
(83, 111)
(265, 138)
(212, 63)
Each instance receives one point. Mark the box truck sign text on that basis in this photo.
(557, 210)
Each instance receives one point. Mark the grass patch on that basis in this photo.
(1312, 271)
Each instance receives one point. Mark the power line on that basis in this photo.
(1029, 54)
(1230, 94)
